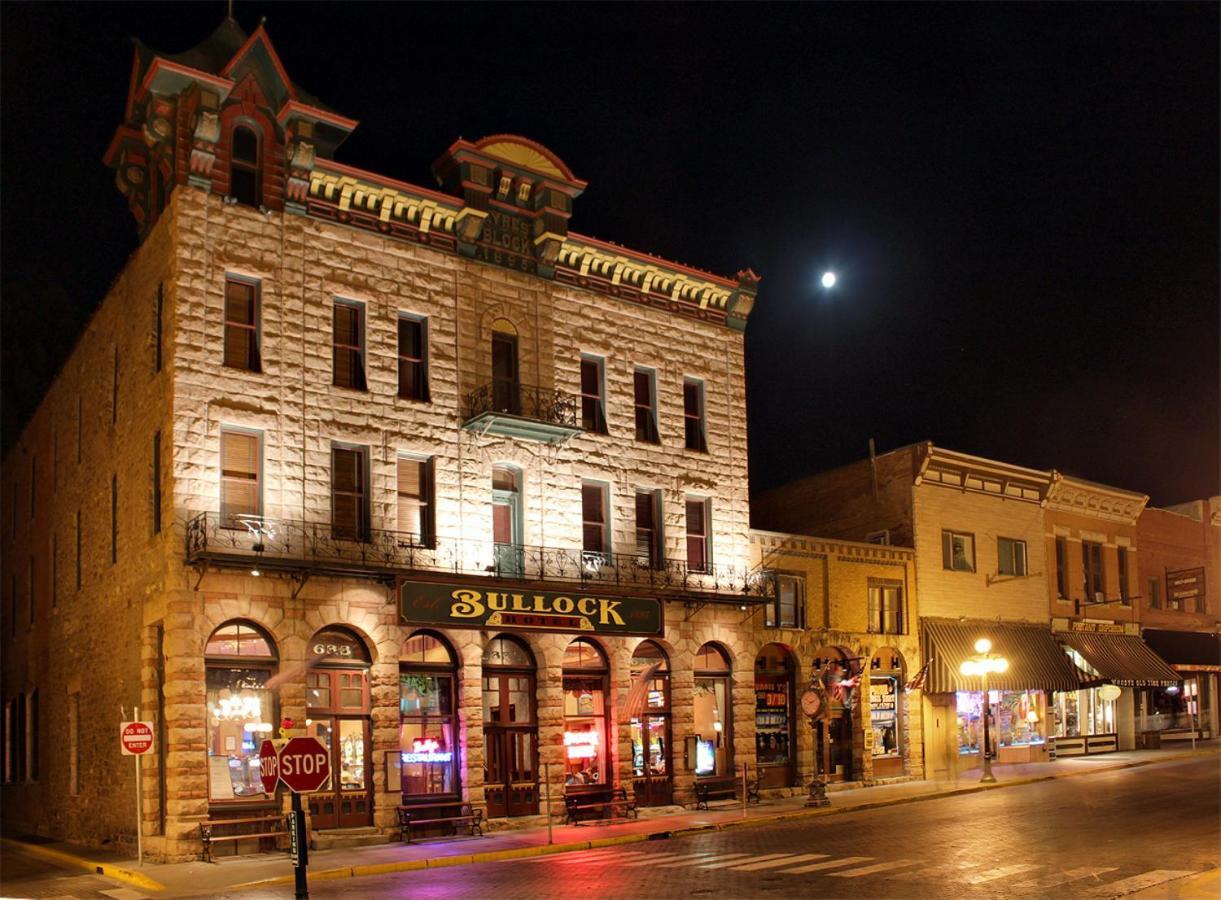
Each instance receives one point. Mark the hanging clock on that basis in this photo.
(811, 703)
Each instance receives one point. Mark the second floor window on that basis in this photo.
(1062, 568)
(644, 387)
(699, 550)
(693, 415)
(240, 494)
(1010, 556)
(242, 324)
(1124, 593)
(349, 492)
(1091, 559)
(413, 358)
(1155, 593)
(788, 608)
(594, 520)
(245, 181)
(348, 346)
(958, 551)
(593, 395)
(648, 529)
(416, 501)
(885, 608)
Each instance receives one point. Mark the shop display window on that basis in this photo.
(1018, 719)
(884, 714)
(428, 751)
(774, 739)
(1084, 712)
(240, 710)
(585, 735)
(712, 723)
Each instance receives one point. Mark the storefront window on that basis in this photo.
(427, 745)
(1084, 712)
(585, 736)
(773, 706)
(712, 722)
(650, 708)
(240, 709)
(884, 714)
(1018, 719)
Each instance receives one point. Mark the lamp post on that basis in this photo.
(982, 664)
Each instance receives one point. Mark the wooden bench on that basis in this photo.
(450, 816)
(598, 802)
(271, 825)
(719, 790)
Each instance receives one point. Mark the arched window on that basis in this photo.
(245, 169)
(886, 677)
(585, 735)
(338, 714)
(427, 701)
(713, 724)
(775, 719)
(650, 723)
(241, 709)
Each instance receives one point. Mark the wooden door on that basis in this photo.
(654, 784)
(511, 744)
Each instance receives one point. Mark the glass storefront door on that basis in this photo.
(337, 713)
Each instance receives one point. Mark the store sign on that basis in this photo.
(581, 744)
(426, 750)
(1098, 627)
(1186, 586)
(462, 606)
(882, 695)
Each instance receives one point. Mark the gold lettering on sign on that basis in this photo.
(469, 604)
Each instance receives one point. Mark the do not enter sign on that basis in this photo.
(303, 764)
(135, 738)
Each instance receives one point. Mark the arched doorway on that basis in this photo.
(886, 677)
(337, 713)
(428, 740)
(510, 729)
(833, 738)
(775, 725)
(507, 521)
(585, 736)
(713, 710)
(651, 728)
(241, 713)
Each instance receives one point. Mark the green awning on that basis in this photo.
(1036, 661)
(1122, 659)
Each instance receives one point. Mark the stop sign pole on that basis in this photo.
(302, 765)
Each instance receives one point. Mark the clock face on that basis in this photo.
(811, 703)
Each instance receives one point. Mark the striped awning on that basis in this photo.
(1122, 659)
(1036, 661)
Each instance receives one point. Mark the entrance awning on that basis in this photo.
(1036, 661)
(1122, 659)
(1186, 651)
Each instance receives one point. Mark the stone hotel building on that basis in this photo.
(417, 471)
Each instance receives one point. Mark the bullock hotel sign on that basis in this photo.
(466, 606)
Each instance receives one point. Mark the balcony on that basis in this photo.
(526, 412)
(302, 549)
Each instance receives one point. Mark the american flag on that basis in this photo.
(640, 689)
(917, 683)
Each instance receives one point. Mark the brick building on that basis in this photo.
(454, 489)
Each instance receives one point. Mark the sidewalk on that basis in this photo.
(265, 870)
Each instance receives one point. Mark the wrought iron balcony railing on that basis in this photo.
(307, 547)
(521, 410)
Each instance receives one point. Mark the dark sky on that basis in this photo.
(1021, 200)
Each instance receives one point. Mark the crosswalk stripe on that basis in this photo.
(583, 856)
(734, 862)
(1055, 879)
(773, 863)
(1139, 882)
(876, 867)
(670, 858)
(993, 874)
(703, 858)
(829, 864)
(946, 871)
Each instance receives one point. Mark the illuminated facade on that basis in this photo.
(419, 472)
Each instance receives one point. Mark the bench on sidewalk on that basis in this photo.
(216, 831)
(723, 789)
(597, 802)
(447, 816)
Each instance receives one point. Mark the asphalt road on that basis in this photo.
(24, 874)
(1104, 835)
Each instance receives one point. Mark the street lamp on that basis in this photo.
(982, 664)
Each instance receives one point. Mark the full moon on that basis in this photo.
(828, 279)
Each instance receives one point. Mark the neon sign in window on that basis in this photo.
(426, 750)
(581, 744)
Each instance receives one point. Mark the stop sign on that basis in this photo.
(269, 766)
(304, 765)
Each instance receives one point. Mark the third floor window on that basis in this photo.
(242, 324)
(1091, 560)
(348, 345)
(1010, 556)
(693, 415)
(644, 386)
(593, 394)
(958, 551)
(413, 358)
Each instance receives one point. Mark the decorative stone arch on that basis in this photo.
(257, 611)
(363, 623)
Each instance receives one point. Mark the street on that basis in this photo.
(1100, 836)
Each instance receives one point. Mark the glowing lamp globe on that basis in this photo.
(983, 645)
(828, 279)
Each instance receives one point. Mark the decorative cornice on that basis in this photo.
(1076, 495)
(975, 474)
(845, 551)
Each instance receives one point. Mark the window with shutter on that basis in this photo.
(415, 501)
(698, 556)
(349, 496)
(241, 324)
(240, 493)
(693, 415)
(413, 371)
(596, 534)
(648, 529)
(593, 399)
(644, 386)
(347, 357)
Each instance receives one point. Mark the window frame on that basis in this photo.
(947, 550)
(877, 610)
(656, 558)
(1123, 573)
(1155, 593)
(774, 610)
(1062, 568)
(253, 167)
(651, 433)
(359, 349)
(227, 521)
(705, 567)
(1021, 568)
(450, 671)
(254, 350)
(599, 425)
(604, 526)
(268, 664)
(363, 529)
(700, 417)
(405, 361)
(1088, 569)
(427, 498)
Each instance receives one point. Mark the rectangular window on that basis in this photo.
(156, 482)
(594, 520)
(593, 394)
(645, 392)
(242, 324)
(78, 549)
(413, 357)
(349, 492)
(158, 311)
(240, 490)
(114, 389)
(958, 551)
(416, 505)
(74, 744)
(1010, 556)
(787, 610)
(1155, 593)
(885, 608)
(1091, 558)
(1124, 594)
(1062, 568)
(114, 519)
(348, 345)
(648, 529)
(699, 549)
(693, 415)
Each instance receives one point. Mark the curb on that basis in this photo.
(110, 870)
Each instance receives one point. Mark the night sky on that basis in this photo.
(1021, 201)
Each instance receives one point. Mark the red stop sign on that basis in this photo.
(269, 766)
(305, 764)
